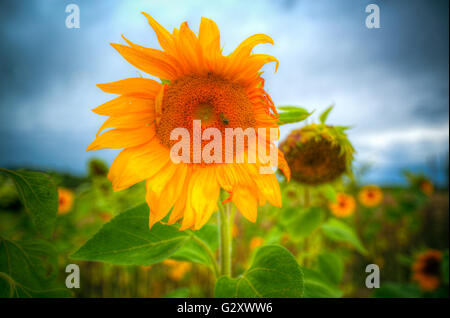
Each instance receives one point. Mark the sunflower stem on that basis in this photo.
(226, 216)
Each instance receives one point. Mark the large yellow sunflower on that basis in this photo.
(197, 83)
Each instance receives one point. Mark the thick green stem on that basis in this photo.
(226, 216)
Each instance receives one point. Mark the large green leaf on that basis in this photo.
(39, 195)
(316, 286)
(192, 250)
(330, 267)
(127, 240)
(341, 232)
(28, 269)
(292, 114)
(273, 274)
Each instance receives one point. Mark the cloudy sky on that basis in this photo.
(391, 83)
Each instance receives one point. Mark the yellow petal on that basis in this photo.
(269, 187)
(189, 49)
(172, 61)
(209, 38)
(163, 190)
(246, 203)
(283, 165)
(241, 54)
(204, 190)
(246, 47)
(136, 86)
(123, 138)
(124, 105)
(248, 69)
(136, 164)
(154, 64)
(128, 121)
(165, 39)
(180, 205)
(226, 177)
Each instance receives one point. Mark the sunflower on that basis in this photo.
(427, 270)
(344, 205)
(318, 153)
(197, 83)
(370, 195)
(65, 200)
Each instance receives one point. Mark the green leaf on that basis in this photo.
(316, 286)
(39, 195)
(330, 267)
(305, 222)
(323, 117)
(127, 240)
(28, 269)
(274, 274)
(292, 114)
(192, 252)
(341, 232)
(164, 81)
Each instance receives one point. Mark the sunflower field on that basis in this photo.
(299, 223)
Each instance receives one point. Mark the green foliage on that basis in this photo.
(323, 117)
(328, 192)
(341, 232)
(394, 290)
(292, 114)
(191, 251)
(331, 267)
(127, 240)
(316, 286)
(302, 222)
(178, 293)
(28, 269)
(274, 273)
(39, 195)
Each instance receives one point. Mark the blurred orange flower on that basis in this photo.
(427, 270)
(255, 242)
(177, 269)
(427, 187)
(65, 200)
(345, 205)
(370, 195)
